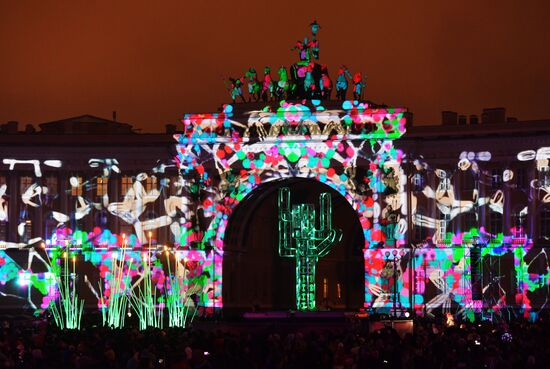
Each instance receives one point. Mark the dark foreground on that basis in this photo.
(277, 345)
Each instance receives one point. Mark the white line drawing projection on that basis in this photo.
(3, 203)
(108, 165)
(542, 159)
(35, 164)
(221, 160)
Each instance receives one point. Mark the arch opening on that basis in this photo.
(257, 278)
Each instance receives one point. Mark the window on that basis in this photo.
(151, 237)
(419, 231)
(544, 226)
(24, 183)
(102, 186)
(467, 182)
(3, 204)
(101, 219)
(496, 178)
(445, 184)
(519, 222)
(76, 187)
(50, 226)
(521, 178)
(418, 182)
(125, 184)
(151, 234)
(3, 231)
(126, 229)
(151, 183)
(390, 230)
(495, 223)
(442, 224)
(27, 232)
(51, 183)
(544, 176)
(174, 188)
(470, 221)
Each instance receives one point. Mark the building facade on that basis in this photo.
(457, 219)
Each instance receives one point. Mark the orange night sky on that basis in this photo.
(154, 61)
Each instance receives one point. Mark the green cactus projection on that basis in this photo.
(298, 238)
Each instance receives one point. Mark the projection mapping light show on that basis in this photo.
(414, 260)
(297, 227)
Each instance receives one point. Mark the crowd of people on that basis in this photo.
(350, 345)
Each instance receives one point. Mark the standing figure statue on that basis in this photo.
(342, 82)
(236, 88)
(325, 83)
(359, 84)
(308, 49)
(267, 86)
(297, 76)
(303, 51)
(314, 44)
(309, 82)
(298, 238)
(253, 85)
(283, 84)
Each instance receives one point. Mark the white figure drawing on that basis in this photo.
(448, 205)
(108, 165)
(3, 204)
(161, 167)
(468, 159)
(34, 190)
(542, 158)
(444, 298)
(134, 205)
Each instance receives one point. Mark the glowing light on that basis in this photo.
(24, 279)
(298, 238)
(286, 140)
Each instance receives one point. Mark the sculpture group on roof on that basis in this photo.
(306, 79)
